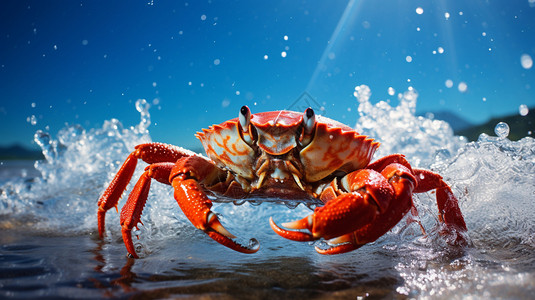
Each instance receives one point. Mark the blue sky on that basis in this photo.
(198, 62)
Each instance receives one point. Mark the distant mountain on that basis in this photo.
(519, 127)
(456, 122)
(19, 152)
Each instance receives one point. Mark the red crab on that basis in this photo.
(290, 155)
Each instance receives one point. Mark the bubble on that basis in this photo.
(419, 10)
(55, 47)
(217, 61)
(449, 83)
(408, 58)
(440, 50)
(332, 55)
(526, 61)
(462, 87)
(501, 130)
(283, 53)
(203, 18)
(391, 91)
(523, 109)
(447, 15)
(85, 42)
(285, 37)
(34, 104)
(266, 57)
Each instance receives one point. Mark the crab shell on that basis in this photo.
(333, 146)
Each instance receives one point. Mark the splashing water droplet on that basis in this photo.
(526, 61)
(501, 130)
(362, 93)
(43, 140)
(253, 243)
(32, 120)
(523, 110)
(142, 106)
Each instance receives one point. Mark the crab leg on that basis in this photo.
(448, 205)
(150, 153)
(131, 211)
(194, 202)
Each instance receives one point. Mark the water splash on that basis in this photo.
(422, 140)
(77, 164)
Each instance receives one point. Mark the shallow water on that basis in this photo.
(49, 247)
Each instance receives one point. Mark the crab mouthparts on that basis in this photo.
(278, 172)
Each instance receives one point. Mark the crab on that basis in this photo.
(284, 155)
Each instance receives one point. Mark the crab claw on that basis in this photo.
(195, 204)
(218, 233)
(299, 236)
(343, 215)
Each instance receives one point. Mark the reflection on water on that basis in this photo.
(71, 266)
(49, 245)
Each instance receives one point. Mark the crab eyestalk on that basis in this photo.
(309, 120)
(244, 118)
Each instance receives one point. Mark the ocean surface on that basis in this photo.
(49, 246)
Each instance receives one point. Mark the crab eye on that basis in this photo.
(244, 118)
(309, 120)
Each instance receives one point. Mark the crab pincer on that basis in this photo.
(195, 204)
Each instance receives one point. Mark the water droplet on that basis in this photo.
(526, 61)
(203, 17)
(32, 120)
(285, 37)
(419, 10)
(283, 53)
(523, 110)
(462, 86)
(408, 58)
(266, 57)
(449, 83)
(143, 106)
(254, 244)
(501, 130)
(447, 15)
(362, 93)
